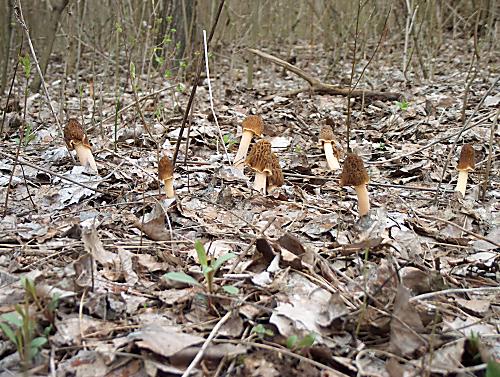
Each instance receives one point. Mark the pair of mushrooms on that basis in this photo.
(268, 174)
(353, 173)
(76, 139)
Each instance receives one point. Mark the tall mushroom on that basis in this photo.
(166, 174)
(260, 160)
(76, 139)
(466, 163)
(276, 178)
(354, 174)
(326, 138)
(252, 125)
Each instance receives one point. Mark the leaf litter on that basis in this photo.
(395, 293)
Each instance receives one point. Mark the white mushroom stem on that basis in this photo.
(462, 181)
(260, 182)
(85, 156)
(241, 155)
(332, 161)
(363, 201)
(169, 187)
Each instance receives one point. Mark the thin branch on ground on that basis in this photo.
(322, 88)
(207, 342)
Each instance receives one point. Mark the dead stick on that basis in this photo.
(320, 87)
(195, 84)
(475, 235)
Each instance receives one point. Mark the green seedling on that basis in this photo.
(294, 343)
(21, 327)
(229, 140)
(261, 331)
(209, 269)
(403, 105)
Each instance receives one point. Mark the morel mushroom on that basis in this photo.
(465, 164)
(326, 138)
(166, 174)
(276, 178)
(76, 139)
(252, 125)
(260, 160)
(354, 174)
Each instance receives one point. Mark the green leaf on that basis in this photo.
(222, 259)
(9, 333)
(207, 270)
(493, 369)
(258, 329)
(26, 63)
(13, 318)
(38, 342)
(307, 341)
(291, 341)
(202, 254)
(232, 290)
(182, 277)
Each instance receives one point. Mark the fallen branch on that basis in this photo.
(322, 88)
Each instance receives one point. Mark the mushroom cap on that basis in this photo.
(276, 179)
(165, 168)
(353, 172)
(253, 123)
(74, 134)
(467, 158)
(326, 134)
(259, 158)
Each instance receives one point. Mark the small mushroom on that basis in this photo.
(252, 125)
(76, 139)
(276, 178)
(166, 174)
(326, 138)
(260, 160)
(465, 164)
(354, 174)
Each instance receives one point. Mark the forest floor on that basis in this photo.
(303, 286)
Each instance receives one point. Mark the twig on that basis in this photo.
(122, 109)
(195, 85)
(490, 156)
(452, 150)
(10, 88)
(207, 342)
(211, 97)
(348, 123)
(416, 364)
(475, 235)
(425, 296)
(320, 87)
(20, 18)
(284, 351)
(480, 121)
(24, 162)
(245, 252)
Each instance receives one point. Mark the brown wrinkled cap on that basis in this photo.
(276, 179)
(253, 123)
(165, 168)
(353, 172)
(73, 134)
(326, 134)
(259, 158)
(467, 158)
